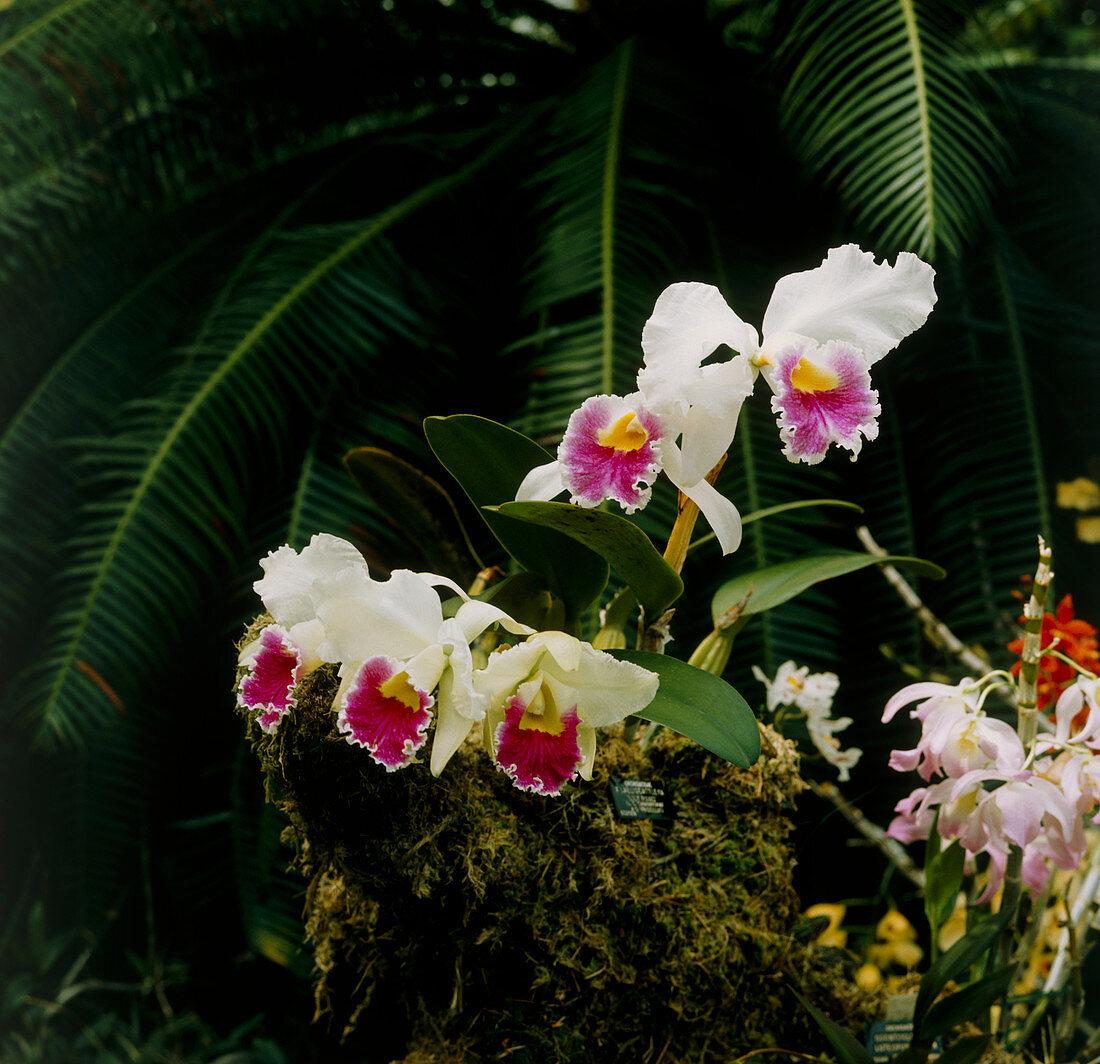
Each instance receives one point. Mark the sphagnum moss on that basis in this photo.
(459, 919)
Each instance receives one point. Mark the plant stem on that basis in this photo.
(686, 515)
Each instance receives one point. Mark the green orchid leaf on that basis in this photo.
(968, 1004)
(489, 461)
(623, 544)
(420, 507)
(801, 504)
(846, 1046)
(699, 705)
(775, 584)
(943, 876)
(953, 963)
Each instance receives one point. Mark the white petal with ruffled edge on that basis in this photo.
(386, 712)
(286, 587)
(690, 320)
(823, 395)
(364, 617)
(850, 297)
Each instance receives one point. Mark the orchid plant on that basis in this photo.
(413, 651)
(1008, 815)
(420, 659)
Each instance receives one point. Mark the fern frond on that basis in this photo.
(602, 255)
(880, 103)
(179, 467)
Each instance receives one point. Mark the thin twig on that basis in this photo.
(893, 849)
(938, 631)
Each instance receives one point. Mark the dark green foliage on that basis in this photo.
(238, 239)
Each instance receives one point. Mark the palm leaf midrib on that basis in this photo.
(159, 456)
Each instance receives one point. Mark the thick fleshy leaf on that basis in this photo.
(699, 705)
(964, 1006)
(623, 544)
(489, 461)
(419, 507)
(845, 1044)
(776, 584)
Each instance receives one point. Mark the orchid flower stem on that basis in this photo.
(1010, 902)
(679, 539)
(1027, 725)
(1028, 715)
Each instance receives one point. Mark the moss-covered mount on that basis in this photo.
(459, 919)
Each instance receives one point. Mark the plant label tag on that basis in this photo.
(887, 1038)
(640, 799)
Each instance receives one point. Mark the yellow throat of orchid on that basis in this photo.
(809, 377)
(542, 713)
(400, 688)
(627, 434)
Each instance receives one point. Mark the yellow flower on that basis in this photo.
(1079, 494)
(833, 935)
(868, 977)
(954, 927)
(894, 927)
(1088, 529)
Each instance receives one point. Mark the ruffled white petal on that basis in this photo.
(604, 689)
(289, 576)
(364, 617)
(689, 322)
(850, 297)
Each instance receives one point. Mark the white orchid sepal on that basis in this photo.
(547, 696)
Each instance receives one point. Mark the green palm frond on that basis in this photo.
(880, 103)
(603, 245)
(76, 400)
(108, 103)
(175, 477)
(177, 469)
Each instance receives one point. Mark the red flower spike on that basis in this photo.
(1070, 636)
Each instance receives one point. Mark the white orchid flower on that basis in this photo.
(290, 648)
(395, 648)
(813, 694)
(546, 698)
(614, 447)
(393, 644)
(822, 331)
